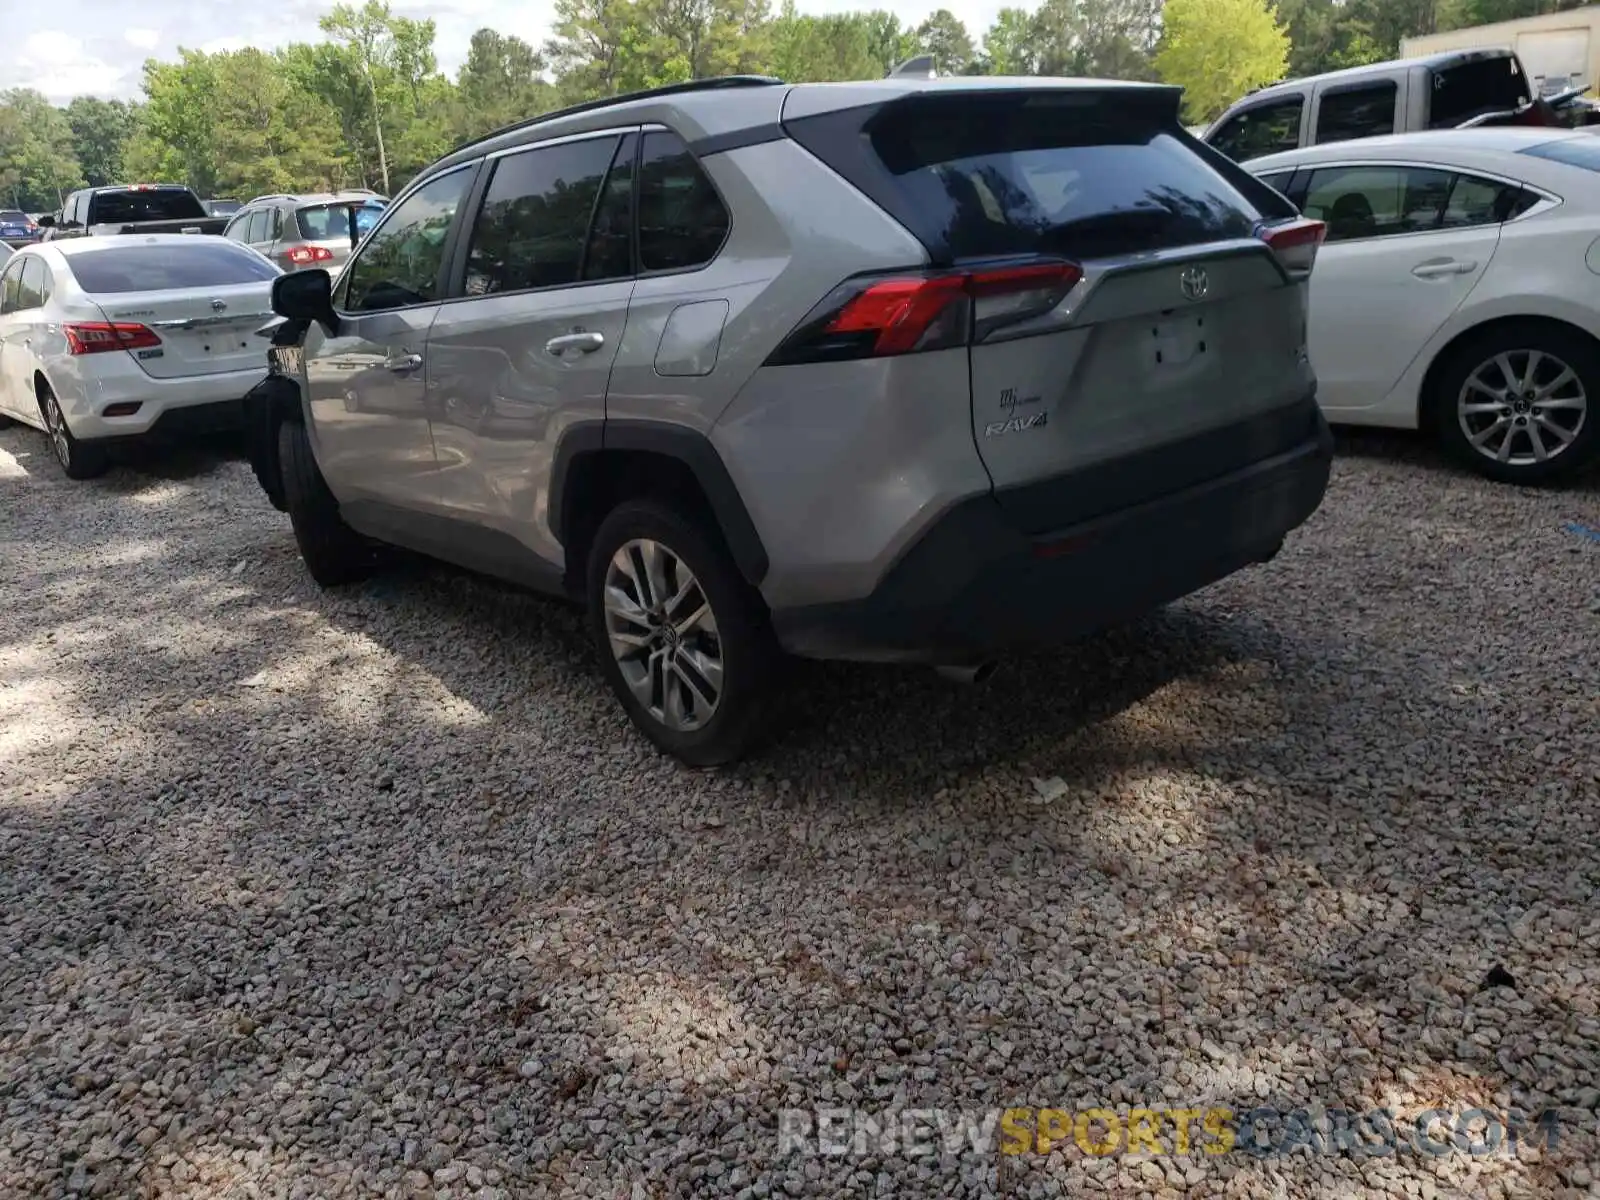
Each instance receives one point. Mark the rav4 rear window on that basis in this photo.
(1470, 89)
(112, 208)
(1079, 179)
(169, 267)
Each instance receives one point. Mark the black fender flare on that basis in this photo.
(266, 406)
(687, 446)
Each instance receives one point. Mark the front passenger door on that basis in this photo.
(11, 334)
(366, 385)
(1403, 251)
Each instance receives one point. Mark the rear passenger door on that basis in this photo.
(525, 346)
(1405, 246)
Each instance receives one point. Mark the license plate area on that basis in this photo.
(1176, 342)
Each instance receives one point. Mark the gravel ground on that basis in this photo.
(375, 893)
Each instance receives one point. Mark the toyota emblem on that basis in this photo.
(1194, 283)
(218, 305)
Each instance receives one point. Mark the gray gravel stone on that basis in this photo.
(374, 892)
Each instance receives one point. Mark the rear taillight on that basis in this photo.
(96, 337)
(304, 256)
(1295, 243)
(878, 317)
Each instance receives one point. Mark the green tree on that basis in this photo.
(100, 133)
(367, 33)
(501, 82)
(38, 162)
(817, 49)
(946, 38)
(1217, 50)
(1009, 46)
(175, 137)
(599, 48)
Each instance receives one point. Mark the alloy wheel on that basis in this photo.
(663, 634)
(56, 425)
(1522, 407)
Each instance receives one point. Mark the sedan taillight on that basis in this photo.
(96, 337)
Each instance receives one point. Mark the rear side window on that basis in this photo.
(1476, 201)
(1356, 112)
(682, 220)
(534, 223)
(1377, 201)
(110, 208)
(108, 271)
(1080, 182)
(1261, 129)
(333, 222)
(610, 253)
(1470, 89)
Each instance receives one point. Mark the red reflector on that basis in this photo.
(96, 337)
(305, 255)
(122, 410)
(1065, 546)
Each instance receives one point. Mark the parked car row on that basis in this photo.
(912, 371)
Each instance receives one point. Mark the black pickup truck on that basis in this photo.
(132, 208)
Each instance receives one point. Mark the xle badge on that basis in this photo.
(1015, 424)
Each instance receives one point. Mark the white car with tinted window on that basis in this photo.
(108, 338)
(1458, 289)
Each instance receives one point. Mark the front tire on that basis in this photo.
(683, 640)
(1519, 405)
(78, 460)
(334, 553)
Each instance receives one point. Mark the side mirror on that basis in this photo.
(46, 220)
(306, 296)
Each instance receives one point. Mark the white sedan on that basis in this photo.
(113, 337)
(1458, 289)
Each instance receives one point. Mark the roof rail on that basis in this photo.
(272, 196)
(671, 89)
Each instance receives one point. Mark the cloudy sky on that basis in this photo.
(66, 48)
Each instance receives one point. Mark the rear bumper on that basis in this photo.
(977, 584)
(197, 403)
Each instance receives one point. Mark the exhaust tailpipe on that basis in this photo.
(976, 673)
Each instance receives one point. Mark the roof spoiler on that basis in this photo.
(920, 67)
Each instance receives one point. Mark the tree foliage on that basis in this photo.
(1219, 49)
(363, 102)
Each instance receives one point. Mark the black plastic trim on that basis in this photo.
(465, 543)
(737, 139)
(690, 447)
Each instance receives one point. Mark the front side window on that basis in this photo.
(402, 262)
(682, 220)
(534, 223)
(1357, 112)
(1376, 201)
(1263, 129)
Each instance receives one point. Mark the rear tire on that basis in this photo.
(334, 553)
(683, 640)
(78, 460)
(1500, 424)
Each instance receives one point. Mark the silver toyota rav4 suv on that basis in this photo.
(908, 370)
